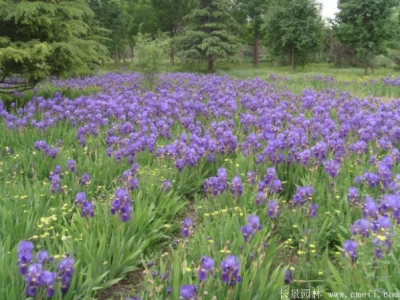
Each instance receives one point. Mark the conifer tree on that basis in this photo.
(209, 34)
(43, 38)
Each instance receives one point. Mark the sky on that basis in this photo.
(329, 7)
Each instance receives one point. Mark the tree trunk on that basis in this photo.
(293, 59)
(124, 56)
(172, 53)
(210, 65)
(366, 68)
(334, 53)
(116, 57)
(172, 50)
(255, 50)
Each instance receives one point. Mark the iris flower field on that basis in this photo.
(204, 187)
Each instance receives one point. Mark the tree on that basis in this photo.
(170, 14)
(141, 16)
(209, 33)
(42, 38)
(250, 13)
(110, 15)
(368, 26)
(294, 27)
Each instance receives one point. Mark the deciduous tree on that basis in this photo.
(367, 25)
(110, 15)
(250, 14)
(294, 27)
(170, 14)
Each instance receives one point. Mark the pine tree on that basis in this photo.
(43, 38)
(209, 33)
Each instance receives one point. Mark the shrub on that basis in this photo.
(151, 56)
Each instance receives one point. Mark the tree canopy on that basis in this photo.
(110, 14)
(170, 15)
(368, 25)
(250, 15)
(43, 38)
(294, 27)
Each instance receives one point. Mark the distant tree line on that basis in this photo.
(72, 37)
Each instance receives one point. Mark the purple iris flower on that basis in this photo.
(49, 279)
(260, 197)
(360, 226)
(359, 179)
(350, 247)
(352, 195)
(254, 221)
(251, 177)
(276, 186)
(302, 195)
(378, 254)
(288, 276)
(331, 167)
(312, 210)
(371, 178)
(42, 256)
(370, 208)
(188, 292)
(384, 222)
(272, 209)
(230, 270)
(53, 152)
(222, 179)
(55, 181)
(247, 230)
(25, 256)
(270, 176)
(132, 184)
(206, 265)
(187, 225)
(65, 270)
(80, 198)
(85, 178)
(308, 192)
(166, 186)
(121, 205)
(71, 165)
(236, 186)
(33, 279)
(87, 209)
